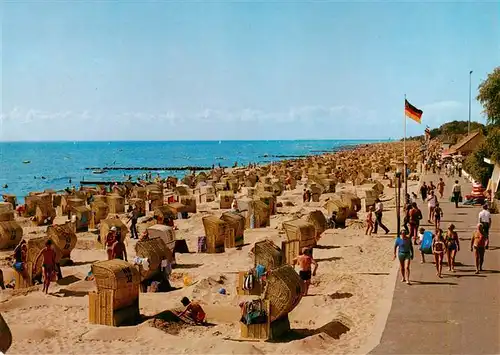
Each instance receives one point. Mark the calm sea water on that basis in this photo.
(58, 162)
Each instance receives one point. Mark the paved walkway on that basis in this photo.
(458, 314)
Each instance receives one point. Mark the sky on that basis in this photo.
(102, 70)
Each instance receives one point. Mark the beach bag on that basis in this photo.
(18, 266)
(426, 245)
(260, 271)
(202, 244)
(249, 282)
(254, 313)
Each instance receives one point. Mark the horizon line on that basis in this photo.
(201, 140)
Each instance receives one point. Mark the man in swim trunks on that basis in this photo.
(305, 261)
(193, 310)
(48, 264)
(478, 244)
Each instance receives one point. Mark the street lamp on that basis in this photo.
(470, 87)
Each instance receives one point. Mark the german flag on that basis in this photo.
(413, 112)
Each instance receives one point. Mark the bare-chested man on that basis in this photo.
(48, 264)
(305, 261)
(118, 250)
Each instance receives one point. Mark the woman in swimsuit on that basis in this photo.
(438, 248)
(404, 249)
(452, 247)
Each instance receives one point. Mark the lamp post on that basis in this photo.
(470, 90)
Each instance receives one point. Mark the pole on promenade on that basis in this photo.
(470, 90)
(405, 160)
(398, 201)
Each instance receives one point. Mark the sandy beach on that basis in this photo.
(342, 315)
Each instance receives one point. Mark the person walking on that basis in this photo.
(478, 245)
(423, 191)
(48, 256)
(431, 203)
(438, 248)
(452, 246)
(457, 192)
(438, 213)
(379, 211)
(415, 216)
(369, 221)
(404, 250)
(133, 226)
(485, 220)
(441, 186)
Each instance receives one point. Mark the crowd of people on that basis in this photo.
(441, 244)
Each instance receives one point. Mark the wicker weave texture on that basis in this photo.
(10, 234)
(63, 237)
(237, 222)
(120, 276)
(267, 254)
(155, 250)
(216, 231)
(283, 291)
(318, 220)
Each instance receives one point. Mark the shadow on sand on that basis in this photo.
(333, 329)
(332, 258)
(327, 247)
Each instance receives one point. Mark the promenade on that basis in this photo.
(458, 314)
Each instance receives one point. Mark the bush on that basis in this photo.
(475, 165)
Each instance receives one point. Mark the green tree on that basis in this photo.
(475, 165)
(489, 97)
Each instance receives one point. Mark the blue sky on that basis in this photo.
(218, 70)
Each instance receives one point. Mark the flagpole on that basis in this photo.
(405, 161)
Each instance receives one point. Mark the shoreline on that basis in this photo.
(82, 173)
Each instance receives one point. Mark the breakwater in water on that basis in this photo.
(58, 165)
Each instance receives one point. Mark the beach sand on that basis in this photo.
(342, 314)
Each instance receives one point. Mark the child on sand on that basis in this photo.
(369, 221)
(438, 248)
(193, 310)
(305, 261)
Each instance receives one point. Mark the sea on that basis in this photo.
(36, 166)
